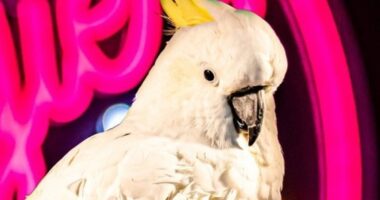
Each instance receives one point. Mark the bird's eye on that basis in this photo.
(209, 75)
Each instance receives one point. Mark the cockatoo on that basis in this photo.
(203, 124)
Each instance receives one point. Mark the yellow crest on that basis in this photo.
(185, 12)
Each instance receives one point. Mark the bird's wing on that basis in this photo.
(128, 166)
(111, 166)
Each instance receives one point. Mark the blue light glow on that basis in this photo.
(112, 117)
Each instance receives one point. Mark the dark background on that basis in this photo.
(365, 18)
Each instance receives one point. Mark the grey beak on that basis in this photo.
(247, 107)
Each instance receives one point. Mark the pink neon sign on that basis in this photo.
(26, 109)
(332, 97)
(257, 6)
(28, 105)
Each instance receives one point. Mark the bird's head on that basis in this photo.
(216, 74)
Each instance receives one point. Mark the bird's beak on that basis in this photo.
(247, 107)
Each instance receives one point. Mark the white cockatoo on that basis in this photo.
(203, 124)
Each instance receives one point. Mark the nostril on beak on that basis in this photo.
(241, 124)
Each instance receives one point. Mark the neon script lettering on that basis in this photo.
(59, 87)
(48, 80)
